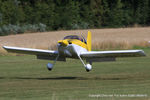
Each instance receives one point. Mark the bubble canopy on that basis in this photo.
(76, 37)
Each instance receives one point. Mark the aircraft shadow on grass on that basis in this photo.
(1, 77)
(66, 78)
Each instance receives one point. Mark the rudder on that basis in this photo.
(89, 45)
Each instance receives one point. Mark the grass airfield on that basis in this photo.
(26, 78)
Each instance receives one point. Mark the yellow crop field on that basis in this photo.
(118, 38)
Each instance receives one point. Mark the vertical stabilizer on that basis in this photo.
(89, 45)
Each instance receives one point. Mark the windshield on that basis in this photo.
(75, 37)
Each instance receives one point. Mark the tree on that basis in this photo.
(106, 12)
(66, 14)
(11, 12)
(74, 14)
(115, 14)
(97, 12)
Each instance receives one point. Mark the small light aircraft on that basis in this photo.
(76, 47)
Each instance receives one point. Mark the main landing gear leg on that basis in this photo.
(88, 67)
(50, 66)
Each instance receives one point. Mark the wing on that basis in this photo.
(41, 54)
(110, 55)
(29, 51)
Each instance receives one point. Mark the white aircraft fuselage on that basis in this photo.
(71, 50)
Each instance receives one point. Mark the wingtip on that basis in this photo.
(4, 47)
(142, 53)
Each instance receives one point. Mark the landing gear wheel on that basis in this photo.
(88, 67)
(49, 66)
(87, 70)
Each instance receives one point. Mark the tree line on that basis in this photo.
(19, 16)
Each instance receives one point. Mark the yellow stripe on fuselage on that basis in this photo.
(78, 42)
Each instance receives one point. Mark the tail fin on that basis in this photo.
(89, 45)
